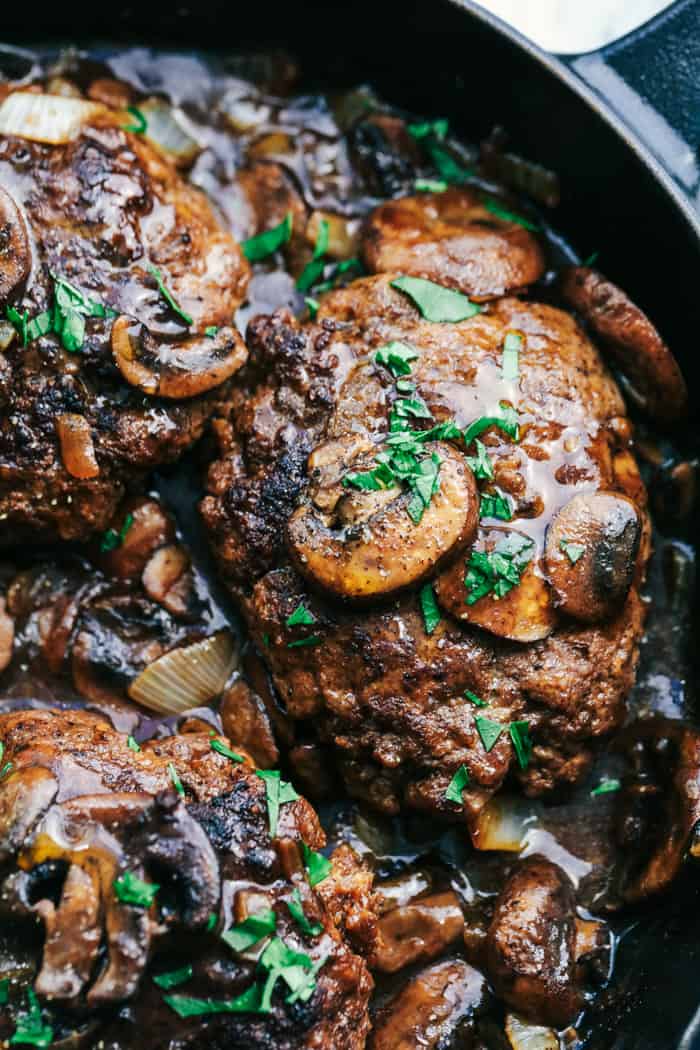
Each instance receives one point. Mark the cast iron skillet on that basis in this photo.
(622, 129)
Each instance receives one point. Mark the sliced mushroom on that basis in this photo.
(77, 448)
(185, 369)
(371, 548)
(150, 528)
(418, 931)
(590, 554)
(68, 961)
(431, 1009)
(7, 635)
(632, 340)
(168, 579)
(454, 239)
(15, 254)
(524, 614)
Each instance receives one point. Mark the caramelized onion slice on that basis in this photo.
(15, 256)
(373, 548)
(185, 369)
(77, 449)
(187, 677)
(503, 824)
(522, 1035)
(50, 119)
(165, 129)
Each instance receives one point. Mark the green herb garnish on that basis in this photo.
(132, 744)
(313, 269)
(222, 749)
(474, 699)
(481, 464)
(40, 325)
(312, 306)
(211, 331)
(592, 258)
(573, 551)
(434, 302)
(509, 216)
(488, 730)
(317, 866)
(19, 321)
(498, 571)
(251, 930)
(457, 785)
(512, 345)
(429, 608)
(168, 296)
(605, 787)
(508, 423)
(296, 910)
(424, 129)
(520, 737)
(4, 990)
(340, 268)
(267, 242)
(301, 615)
(188, 1006)
(176, 782)
(173, 977)
(113, 539)
(277, 792)
(30, 1029)
(430, 185)
(447, 167)
(497, 506)
(140, 125)
(211, 922)
(130, 889)
(396, 357)
(300, 643)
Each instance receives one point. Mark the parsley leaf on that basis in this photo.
(173, 977)
(210, 331)
(507, 422)
(447, 167)
(168, 296)
(300, 643)
(251, 930)
(130, 889)
(497, 506)
(474, 699)
(30, 1029)
(509, 216)
(187, 1006)
(520, 737)
(457, 785)
(481, 464)
(132, 744)
(605, 787)
(4, 990)
(498, 571)
(397, 357)
(300, 615)
(488, 730)
(424, 129)
(317, 866)
(312, 306)
(296, 910)
(277, 792)
(429, 608)
(313, 269)
(267, 242)
(220, 747)
(19, 321)
(140, 125)
(113, 539)
(40, 325)
(176, 782)
(434, 302)
(512, 345)
(430, 185)
(573, 551)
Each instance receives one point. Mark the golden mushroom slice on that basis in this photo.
(632, 340)
(192, 366)
(454, 239)
(499, 588)
(15, 255)
(591, 552)
(369, 547)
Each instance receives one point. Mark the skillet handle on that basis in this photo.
(651, 79)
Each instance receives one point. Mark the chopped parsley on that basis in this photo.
(512, 345)
(520, 737)
(66, 319)
(277, 792)
(573, 551)
(300, 643)
(132, 744)
(211, 922)
(113, 539)
(591, 260)
(507, 422)
(296, 910)
(498, 571)
(488, 730)
(346, 266)
(173, 977)
(606, 787)
(30, 1029)
(220, 747)
(430, 185)
(177, 783)
(314, 269)
(497, 506)
(130, 889)
(396, 357)
(168, 296)
(269, 241)
(481, 464)
(429, 608)
(317, 866)
(424, 129)
(294, 968)
(509, 216)
(446, 166)
(211, 330)
(140, 125)
(19, 321)
(457, 785)
(474, 699)
(312, 305)
(188, 1006)
(252, 930)
(301, 615)
(434, 302)
(5, 770)
(4, 990)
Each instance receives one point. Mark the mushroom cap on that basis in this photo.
(15, 253)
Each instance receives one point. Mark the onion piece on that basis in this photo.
(525, 1036)
(165, 130)
(504, 824)
(51, 119)
(7, 335)
(187, 677)
(77, 448)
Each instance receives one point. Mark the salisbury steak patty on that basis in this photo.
(508, 649)
(158, 896)
(117, 290)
